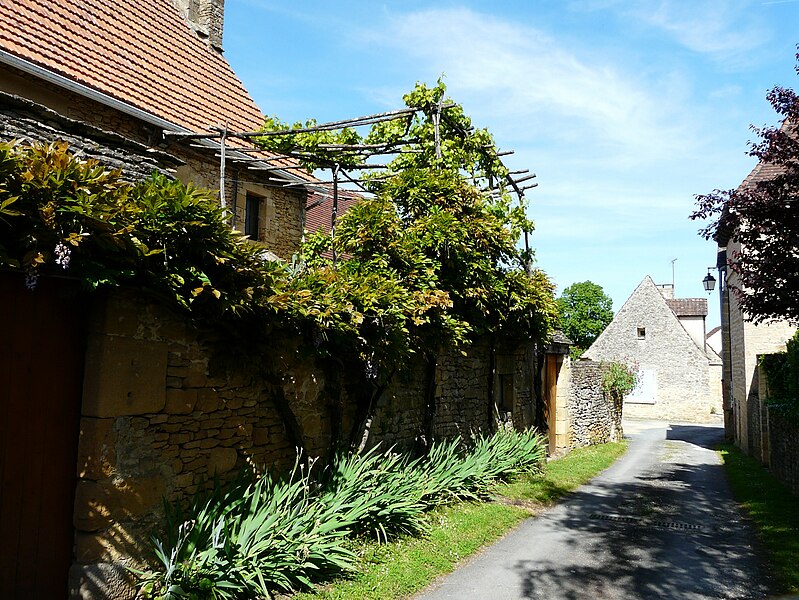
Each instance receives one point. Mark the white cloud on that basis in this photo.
(710, 26)
(527, 84)
(727, 30)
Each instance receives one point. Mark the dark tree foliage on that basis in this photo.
(585, 311)
(759, 221)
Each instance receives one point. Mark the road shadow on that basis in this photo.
(670, 532)
(705, 436)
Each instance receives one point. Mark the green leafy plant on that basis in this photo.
(585, 311)
(260, 534)
(431, 258)
(619, 379)
(782, 373)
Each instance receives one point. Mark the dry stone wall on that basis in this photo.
(784, 448)
(592, 416)
(160, 420)
(165, 411)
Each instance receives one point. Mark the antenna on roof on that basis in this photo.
(672, 272)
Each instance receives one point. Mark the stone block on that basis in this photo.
(96, 448)
(123, 376)
(195, 379)
(92, 510)
(117, 314)
(222, 460)
(180, 402)
(207, 400)
(184, 480)
(100, 581)
(99, 504)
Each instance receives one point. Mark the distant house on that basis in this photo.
(131, 74)
(713, 339)
(680, 376)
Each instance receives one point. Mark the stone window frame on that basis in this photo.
(253, 203)
(641, 333)
(266, 211)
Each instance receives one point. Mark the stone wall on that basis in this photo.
(162, 415)
(772, 435)
(747, 340)
(463, 403)
(592, 416)
(165, 411)
(784, 448)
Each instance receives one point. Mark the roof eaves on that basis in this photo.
(93, 94)
(86, 91)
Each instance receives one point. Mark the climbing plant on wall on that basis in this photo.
(438, 228)
(428, 259)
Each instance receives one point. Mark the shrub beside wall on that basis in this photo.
(165, 411)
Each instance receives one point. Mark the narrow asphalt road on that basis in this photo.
(660, 523)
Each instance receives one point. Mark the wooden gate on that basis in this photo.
(42, 349)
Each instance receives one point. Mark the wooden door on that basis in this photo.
(42, 351)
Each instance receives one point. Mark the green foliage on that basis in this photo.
(308, 147)
(249, 539)
(444, 249)
(773, 509)
(404, 566)
(585, 311)
(782, 372)
(619, 379)
(430, 261)
(65, 215)
(258, 534)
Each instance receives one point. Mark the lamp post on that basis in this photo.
(709, 282)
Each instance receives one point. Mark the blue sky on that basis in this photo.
(624, 109)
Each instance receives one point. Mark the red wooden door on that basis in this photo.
(42, 349)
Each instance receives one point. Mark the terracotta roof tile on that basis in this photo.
(319, 208)
(688, 307)
(140, 52)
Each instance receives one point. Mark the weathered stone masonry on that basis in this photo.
(164, 412)
(592, 416)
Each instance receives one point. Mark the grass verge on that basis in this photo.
(402, 567)
(774, 510)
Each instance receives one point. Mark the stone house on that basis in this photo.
(135, 74)
(741, 343)
(122, 82)
(680, 376)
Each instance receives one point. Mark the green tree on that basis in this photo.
(585, 311)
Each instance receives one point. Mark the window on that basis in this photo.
(642, 333)
(252, 216)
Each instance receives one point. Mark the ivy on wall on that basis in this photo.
(782, 372)
(430, 257)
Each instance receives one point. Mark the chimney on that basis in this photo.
(667, 290)
(206, 18)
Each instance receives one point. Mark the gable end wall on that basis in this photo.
(681, 370)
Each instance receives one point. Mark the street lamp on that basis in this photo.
(709, 282)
